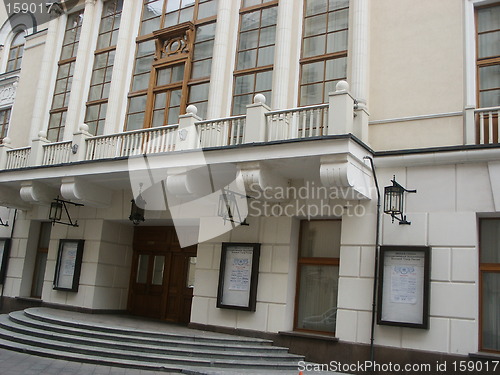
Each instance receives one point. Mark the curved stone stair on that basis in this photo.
(36, 331)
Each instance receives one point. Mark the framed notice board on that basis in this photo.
(403, 290)
(238, 277)
(4, 257)
(69, 265)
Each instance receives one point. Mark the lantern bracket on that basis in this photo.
(55, 212)
(228, 207)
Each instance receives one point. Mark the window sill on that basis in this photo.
(308, 335)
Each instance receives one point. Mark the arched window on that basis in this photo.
(16, 52)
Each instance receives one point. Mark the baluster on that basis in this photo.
(481, 128)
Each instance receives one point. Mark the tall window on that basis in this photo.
(64, 77)
(173, 61)
(317, 275)
(100, 83)
(489, 269)
(16, 52)
(324, 49)
(4, 123)
(488, 56)
(255, 55)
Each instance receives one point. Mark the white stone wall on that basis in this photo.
(276, 286)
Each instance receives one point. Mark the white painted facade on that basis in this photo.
(409, 104)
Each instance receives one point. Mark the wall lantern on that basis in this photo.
(228, 207)
(394, 201)
(56, 210)
(136, 210)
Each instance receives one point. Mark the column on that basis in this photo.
(219, 97)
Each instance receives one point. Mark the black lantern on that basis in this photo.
(137, 210)
(56, 210)
(394, 201)
(228, 207)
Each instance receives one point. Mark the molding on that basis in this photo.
(259, 178)
(88, 194)
(416, 118)
(10, 198)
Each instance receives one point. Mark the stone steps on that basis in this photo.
(35, 331)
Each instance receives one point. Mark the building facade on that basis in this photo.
(251, 125)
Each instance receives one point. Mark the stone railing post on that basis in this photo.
(341, 110)
(187, 135)
(36, 155)
(79, 144)
(255, 126)
(4, 147)
(469, 125)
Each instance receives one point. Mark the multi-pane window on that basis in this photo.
(255, 55)
(324, 49)
(157, 98)
(318, 275)
(64, 77)
(103, 66)
(488, 56)
(16, 52)
(4, 123)
(489, 270)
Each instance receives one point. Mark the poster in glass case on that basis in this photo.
(68, 266)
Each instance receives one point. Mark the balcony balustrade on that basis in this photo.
(486, 121)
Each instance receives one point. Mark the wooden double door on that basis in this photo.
(162, 277)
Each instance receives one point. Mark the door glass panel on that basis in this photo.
(159, 265)
(318, 297)
(320, 239)
(142, 269)
(191, 272)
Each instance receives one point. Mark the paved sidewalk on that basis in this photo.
(14, 363)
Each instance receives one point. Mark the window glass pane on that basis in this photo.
(140, 82)
(315, 25)
(337, 4)
(173, 115)
(149, 26)
(491, 310)
(489, 99)
(158, 118)
(178, 73)
(250, 21)
(249, 39)
(489, 44)
(186, 15)
(247, 59)
(317, 308)
(488, 19)
(338, 20)
(146, 48)
(137, 104)
(175, 98)
(337, 42)
(314, 46)
(315, 7)
(163, 76)
(172, 5)
(142, 269)
(205, 32)
(158, 266)
(244, 84)
(208, 9)
(92, 113)
(160, 100)
(199, 93)
(135, 121)
(201, 69)
(313, 72)
(489, 77)
(264, 81)
(203, 50)
(269, 16)
(311, 94)
(240, 104)
(191, 272)
(336, 68)
(266, 56)
(320, 239)
(490, 241)
(267, 36)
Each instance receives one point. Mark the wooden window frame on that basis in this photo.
(485, 61)
(4, 126)
(314, 261)
(256, 69)
(159, 61)
(484, 268)
(318, 58)
(19, 52)
(67, 92)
